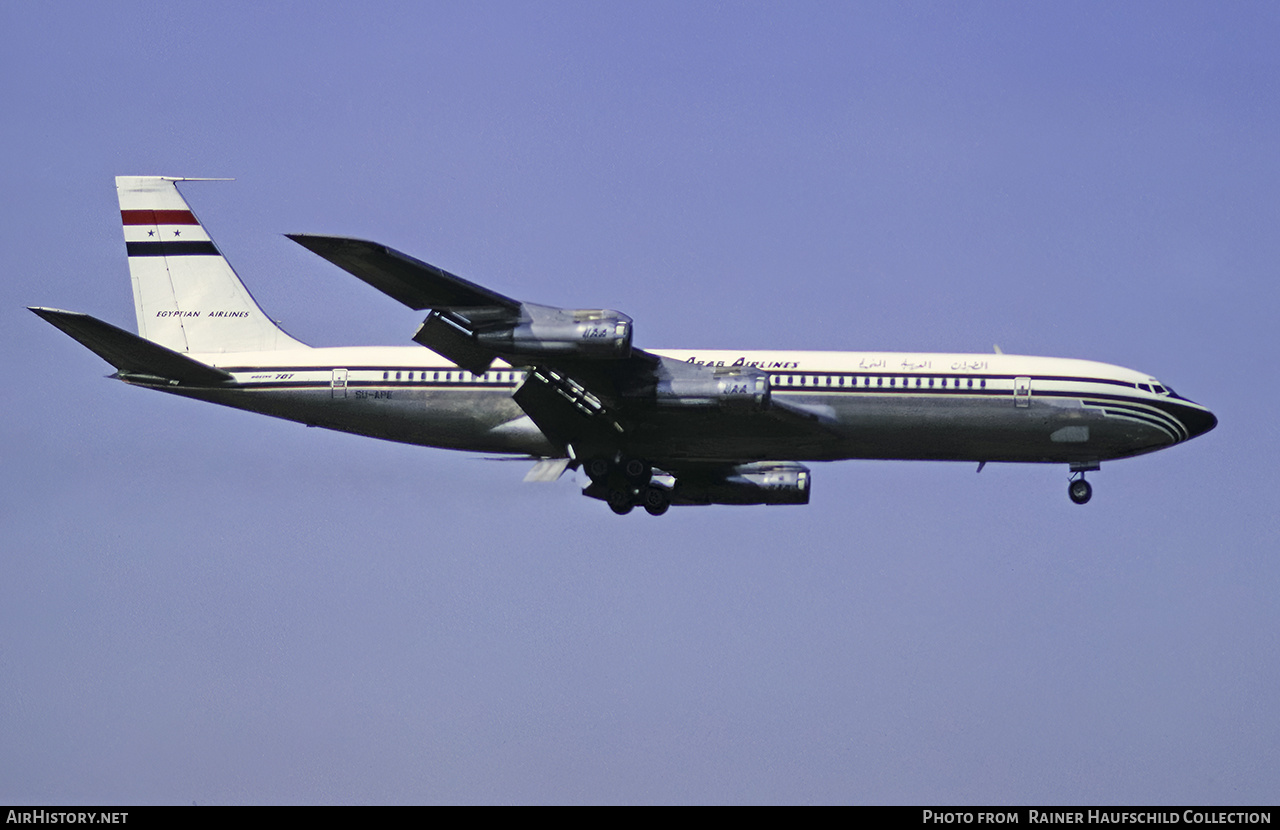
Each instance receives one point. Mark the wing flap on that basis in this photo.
(547, 470)
(130, 353)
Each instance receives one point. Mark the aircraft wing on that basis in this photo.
(411, 281)
(586, 387)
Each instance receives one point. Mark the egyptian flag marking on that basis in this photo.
(158, 217)
(135, 221)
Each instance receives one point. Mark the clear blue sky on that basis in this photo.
(199, 604)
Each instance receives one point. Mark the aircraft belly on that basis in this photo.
(912, 427)
(988, 428)
(479, 420)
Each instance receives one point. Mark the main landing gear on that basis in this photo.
(1079, 490)
(626, 483)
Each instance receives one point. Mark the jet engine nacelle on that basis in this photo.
(726, 387)
(760, 483)
(543, 330)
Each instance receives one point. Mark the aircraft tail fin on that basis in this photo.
(187, 297)
(131, 354)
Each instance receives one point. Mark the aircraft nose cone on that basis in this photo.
(1199, 421)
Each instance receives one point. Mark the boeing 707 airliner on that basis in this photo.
(567, 389)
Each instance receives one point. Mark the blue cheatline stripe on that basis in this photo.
(171, 249)
(1126, 415)
(1149, 415)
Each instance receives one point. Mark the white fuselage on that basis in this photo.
(973, 407)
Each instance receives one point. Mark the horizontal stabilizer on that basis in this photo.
(401, 277)
(130, 353)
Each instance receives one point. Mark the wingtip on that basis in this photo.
(306, 240)
(46, 313)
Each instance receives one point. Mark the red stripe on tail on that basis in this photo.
(158, 217)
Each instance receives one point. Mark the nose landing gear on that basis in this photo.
(1078, 489)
